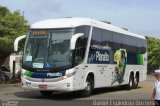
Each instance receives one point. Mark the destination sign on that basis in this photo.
(39, 33)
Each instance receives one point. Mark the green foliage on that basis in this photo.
(3, 11)
(12, 25)
(153, 54)
(5, 46)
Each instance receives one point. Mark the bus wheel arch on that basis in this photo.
(89, 85)
(91, 75)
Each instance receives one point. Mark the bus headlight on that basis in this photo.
(70, 73)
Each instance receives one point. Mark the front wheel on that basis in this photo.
(88, 87)
(46, 93)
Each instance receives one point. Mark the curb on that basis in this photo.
(10, 85)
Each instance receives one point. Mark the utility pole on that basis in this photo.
(23, 13)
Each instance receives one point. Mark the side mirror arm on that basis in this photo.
(17, 41)
(74, 40)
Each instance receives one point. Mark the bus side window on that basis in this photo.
(79, 52)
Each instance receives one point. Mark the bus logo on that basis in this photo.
(99, 56)
(102, 57)
(58, 74)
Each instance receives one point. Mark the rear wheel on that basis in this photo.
(130, 85)
(46, 93)
(88, 88)
(136, 81)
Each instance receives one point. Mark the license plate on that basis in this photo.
(43, 86)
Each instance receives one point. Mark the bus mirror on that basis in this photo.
(74, 40)
(17, 41)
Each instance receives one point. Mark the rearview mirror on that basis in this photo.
(17, 41)
(74, 40)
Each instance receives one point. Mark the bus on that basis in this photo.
(81, 54)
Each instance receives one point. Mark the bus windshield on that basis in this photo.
(48, 49)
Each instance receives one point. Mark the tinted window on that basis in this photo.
(79, 52)
(116, 41)
(125, 42)
(102, 38)
(144, 45)
(81, 44)
(85, 30)
(96, 37)
(107, 38)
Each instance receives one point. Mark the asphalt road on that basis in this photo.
(15, 95)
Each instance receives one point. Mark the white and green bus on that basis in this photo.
(81, 54)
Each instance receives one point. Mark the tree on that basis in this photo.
(12, 25)
(153, 54)
(3, 11)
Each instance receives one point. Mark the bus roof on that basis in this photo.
(74, 22)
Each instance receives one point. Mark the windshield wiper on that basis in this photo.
(36, 52)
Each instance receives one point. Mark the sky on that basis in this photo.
(138, 16)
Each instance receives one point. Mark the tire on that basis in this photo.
(88, 88)
(130, 84)
(46, 93)
(136, 81)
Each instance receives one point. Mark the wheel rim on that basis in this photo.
(88, 86)
(131, 83)
(136, 81)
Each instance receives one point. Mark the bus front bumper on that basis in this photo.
(62, 85)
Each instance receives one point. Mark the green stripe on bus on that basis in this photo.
(140, 59)
(28, 73)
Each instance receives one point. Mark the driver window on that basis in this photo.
(79, 51)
